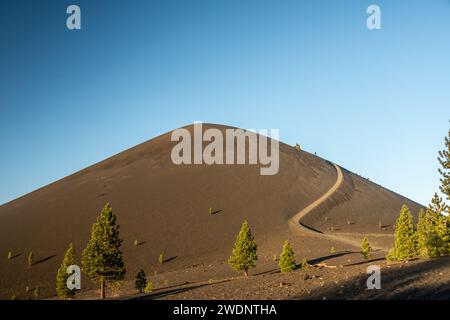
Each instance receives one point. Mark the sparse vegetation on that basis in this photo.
(244, 254)
(61, 276)
(287, 258)
(304, 265)
(102, 259)
(36, 293)
(390, 257)
(275, 258)
(149, 287)
(366, 249)
(332, 250)
(30, 258)
(141, 281)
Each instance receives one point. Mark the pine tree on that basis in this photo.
(244, 251)
(429, 242)
(61, 276)
(141, 281)
(443, 234)
(437, 205)
(102, 259)
(287, 258)
(406, 242)
(444, 170)
(366, 249)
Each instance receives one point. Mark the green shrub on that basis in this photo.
(149, 287)
(36, 293)
(304, 265)
(391, 257)
(30, 258)
(366, 249)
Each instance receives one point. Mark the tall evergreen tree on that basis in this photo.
(244, 251)
(366, 249)
(406, 242)
(287, 258)
(437, 205)
(443, 234)
(102, 259)
(444, 170)
(62, 276)
(141, 281)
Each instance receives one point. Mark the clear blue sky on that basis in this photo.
(375, 102)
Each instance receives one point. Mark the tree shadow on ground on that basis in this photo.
(163, 292)
(44, 260)
(330, 256)
(167, 291)
(271, 271)
(400, 282)
(170, 259)
(16, 255)
(364, 262)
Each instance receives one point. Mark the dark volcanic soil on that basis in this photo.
(165, 208)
